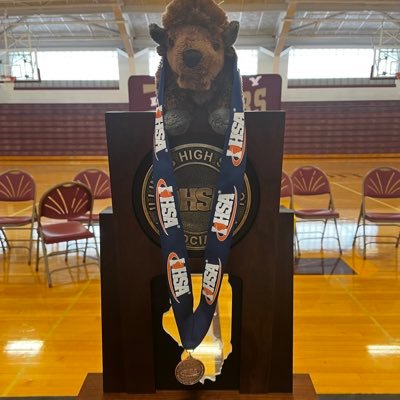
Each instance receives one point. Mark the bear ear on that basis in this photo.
(229, 35)
(158, 34)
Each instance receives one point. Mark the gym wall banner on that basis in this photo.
(261, 92)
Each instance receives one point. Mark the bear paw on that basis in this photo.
(219, 120)
(177, 122)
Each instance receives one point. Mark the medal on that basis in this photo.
(193, 326)
(189, 371)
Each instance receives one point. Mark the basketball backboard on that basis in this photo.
(19, 65)
(386, 62)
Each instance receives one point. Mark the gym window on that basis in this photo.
(248, 61)
(78, 65)
(332, 67)
(330, 63)
(78, 69)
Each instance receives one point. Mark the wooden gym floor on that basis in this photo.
(347, 327)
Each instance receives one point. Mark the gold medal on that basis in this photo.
(189, 371)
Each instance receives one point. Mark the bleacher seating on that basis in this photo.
(329, 127)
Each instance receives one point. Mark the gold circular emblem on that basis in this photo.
(196, 167)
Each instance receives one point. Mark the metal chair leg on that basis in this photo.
(30, 245)
(77, 261)
(323, 234)
(7, 247)
(37, 251)
(365, 241)
(2, 241)
(85, 251)
(337, 234)
(5, 238)
(84, 258)
(297, 240)
(46, 264)
(96, 248)
(66, 251)
(358, 225)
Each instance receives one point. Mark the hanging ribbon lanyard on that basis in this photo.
(193, 326)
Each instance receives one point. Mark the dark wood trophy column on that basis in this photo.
(139, 358)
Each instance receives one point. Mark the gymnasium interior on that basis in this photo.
(64, 64)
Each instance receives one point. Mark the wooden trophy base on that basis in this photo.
(92, 389)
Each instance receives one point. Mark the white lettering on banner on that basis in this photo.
(255, 81)
(211, 280)
(237, 142)
(179, 277)
(168, 208)
(222, 220)
(159, 134)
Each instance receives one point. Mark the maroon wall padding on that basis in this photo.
(54, 129)
(342, 127)
(339, 127)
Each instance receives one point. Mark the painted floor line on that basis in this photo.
(375, 200)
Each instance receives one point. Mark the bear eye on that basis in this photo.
(171, 42)
(216, 46)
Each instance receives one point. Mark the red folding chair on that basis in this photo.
(286, 188)
(310, 182)
(287, 196)
(63, 202)
(99, 183)
(17, 186)
(381, 183)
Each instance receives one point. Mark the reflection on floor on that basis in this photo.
(322, 266)
(346, 326)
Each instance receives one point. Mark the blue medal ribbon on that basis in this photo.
(193, 326)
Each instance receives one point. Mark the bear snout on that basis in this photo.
(191, 58)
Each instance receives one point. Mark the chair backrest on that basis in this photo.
(17, 185)
(309, 181)
(382, 182)
(66, 200)
(97, 180)
(286, 185)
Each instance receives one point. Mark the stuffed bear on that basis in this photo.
(196, 40)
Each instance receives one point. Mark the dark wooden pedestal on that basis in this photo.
(139, 358)
(92, 389)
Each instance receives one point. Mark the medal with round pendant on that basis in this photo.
(189, 371)
(193, 326)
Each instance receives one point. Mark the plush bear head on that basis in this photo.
(195, 39)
